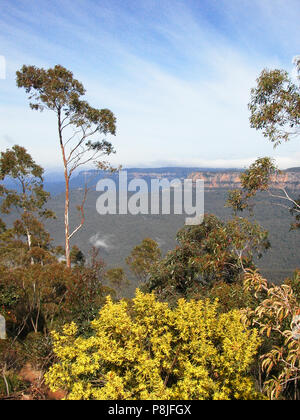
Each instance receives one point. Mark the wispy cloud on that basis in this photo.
(176, 74)
(102, 241)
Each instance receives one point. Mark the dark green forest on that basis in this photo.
(116, 235)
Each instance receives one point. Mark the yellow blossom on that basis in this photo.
(150, 351)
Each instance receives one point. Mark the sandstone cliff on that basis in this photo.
(231, 180)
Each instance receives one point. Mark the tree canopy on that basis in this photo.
(275, 104)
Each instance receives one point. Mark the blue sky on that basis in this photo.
(177, 74)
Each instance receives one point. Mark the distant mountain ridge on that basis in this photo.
(214, 178)
(54, 181)
(297, 169)
(147, 174)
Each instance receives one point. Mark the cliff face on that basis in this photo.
(231, 180)
(213, 179)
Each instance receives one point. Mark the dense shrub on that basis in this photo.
(150, 351)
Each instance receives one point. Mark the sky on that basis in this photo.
(176, 74)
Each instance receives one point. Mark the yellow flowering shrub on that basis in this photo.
(149, 351)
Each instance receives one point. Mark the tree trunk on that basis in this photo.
(67, 198)
(29, 244)
(28, 238)
(67, 233)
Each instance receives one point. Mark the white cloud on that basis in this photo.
(103, 241)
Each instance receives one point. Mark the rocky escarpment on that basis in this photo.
(213, 178)
(231, 180)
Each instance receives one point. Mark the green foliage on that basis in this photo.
(29, 197)
(229, 295)
(36, 296)
(275, 105)
(207, 253)
(37, 350)
(10, 385)
(116, 278)
(36, 293)
(257, 178)
(9, 296)
(294, 283)
(85, 292)
(57, 90)
(142, 257)
(295, 211)
(77, 257)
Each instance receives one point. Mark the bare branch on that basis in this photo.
(81, 209)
